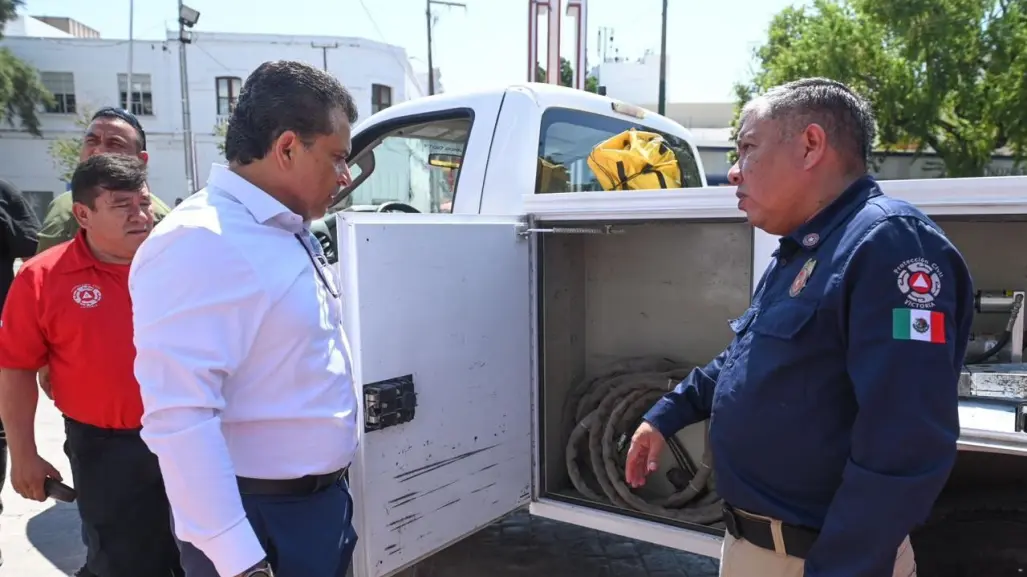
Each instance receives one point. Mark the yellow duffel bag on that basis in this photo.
(635, 160)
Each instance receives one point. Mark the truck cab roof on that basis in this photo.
(480, 152)
(544, 95)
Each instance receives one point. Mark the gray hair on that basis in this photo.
(845, 116)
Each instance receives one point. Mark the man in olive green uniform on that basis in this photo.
(110, 130)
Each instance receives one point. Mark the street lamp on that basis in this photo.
(187, 18)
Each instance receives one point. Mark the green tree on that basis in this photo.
(220, 130)
(567, 76)
(64, 152)
(946, 74)
(21, 90)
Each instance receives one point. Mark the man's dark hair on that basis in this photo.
(280, 96)
(845, 116)
(100, 172)
(122, 114)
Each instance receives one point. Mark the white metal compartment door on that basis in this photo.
(445, 300)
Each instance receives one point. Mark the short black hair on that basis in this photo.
(101, 172)
(122, 114)
(846, 117)
(280, 96)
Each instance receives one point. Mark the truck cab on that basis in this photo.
(511, 320)
(439, 155)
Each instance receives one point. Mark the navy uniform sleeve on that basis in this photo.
(690, 402)
(907, 316)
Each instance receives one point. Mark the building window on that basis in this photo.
(228, 88)
(142, 94)
(62, 86)
(381, 97)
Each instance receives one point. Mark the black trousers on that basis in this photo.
(121, 499)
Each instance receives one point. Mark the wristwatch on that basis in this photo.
(262, 569)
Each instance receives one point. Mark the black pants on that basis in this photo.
(121, 499)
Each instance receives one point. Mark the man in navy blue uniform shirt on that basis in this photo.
(834, 409)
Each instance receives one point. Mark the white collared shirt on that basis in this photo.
(241, 358)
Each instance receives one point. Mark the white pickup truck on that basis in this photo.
(500, 305)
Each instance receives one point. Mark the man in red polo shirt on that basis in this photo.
(69, 307)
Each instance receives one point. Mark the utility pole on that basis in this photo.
(187, 17)
(131, 42)
(324, 51)
(431, 63)
(663, 62)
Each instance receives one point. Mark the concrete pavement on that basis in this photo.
(42, 540)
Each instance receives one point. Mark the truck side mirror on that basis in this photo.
(361, 168)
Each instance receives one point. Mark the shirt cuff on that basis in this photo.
(666, 417)
(235, 550)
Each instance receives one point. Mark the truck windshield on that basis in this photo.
(570, 137)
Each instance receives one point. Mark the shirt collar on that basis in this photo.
(78, 256)
(809, 236)
(264, 207)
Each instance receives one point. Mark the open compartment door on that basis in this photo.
(437, 306)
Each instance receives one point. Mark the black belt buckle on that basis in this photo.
(731, 521)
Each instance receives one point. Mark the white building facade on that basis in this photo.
(85, 74)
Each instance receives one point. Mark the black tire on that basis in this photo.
(975, 535)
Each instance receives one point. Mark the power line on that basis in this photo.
(407, 71)
(209, 55)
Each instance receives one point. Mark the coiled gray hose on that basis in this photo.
(603, 413)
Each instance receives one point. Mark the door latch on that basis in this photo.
(389, 402)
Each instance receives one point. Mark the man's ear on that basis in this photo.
(81, 213)
(144, 156)
(284, 147)
(814, 138)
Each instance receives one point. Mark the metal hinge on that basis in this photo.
(389, 402)
(525, 230)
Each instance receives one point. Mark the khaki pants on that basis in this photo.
(740, 558)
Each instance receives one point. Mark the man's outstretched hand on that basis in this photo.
(644, 454)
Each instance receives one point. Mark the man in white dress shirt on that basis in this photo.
(244, 368)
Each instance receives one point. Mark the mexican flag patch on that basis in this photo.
(918, 325)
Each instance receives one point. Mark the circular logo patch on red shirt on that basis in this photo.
(86, 295)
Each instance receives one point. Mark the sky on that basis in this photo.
(709, 43)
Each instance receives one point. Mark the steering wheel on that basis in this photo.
(323, 230)
(397, 207)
